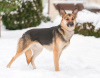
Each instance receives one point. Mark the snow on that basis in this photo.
(92, 6)
(45, 10)
(69, 2)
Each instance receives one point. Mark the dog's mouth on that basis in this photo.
(71, 24)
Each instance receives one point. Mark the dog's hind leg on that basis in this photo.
(13, 59)
(28, 54)
(20, 51)
(17, 55)
(37, 48)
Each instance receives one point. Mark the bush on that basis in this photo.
(87, 29)
(28, 15)
(46, 19)
(6, 6)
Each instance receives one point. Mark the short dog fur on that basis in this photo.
(55, 39)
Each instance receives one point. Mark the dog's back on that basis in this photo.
(43, 36)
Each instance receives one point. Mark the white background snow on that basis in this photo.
(80, 60)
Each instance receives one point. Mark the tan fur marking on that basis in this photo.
(28, 54)
(61, 32)
(20, 45)
(56, 58)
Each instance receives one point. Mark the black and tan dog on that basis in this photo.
(55, 39)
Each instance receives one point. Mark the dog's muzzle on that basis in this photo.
(70, 24)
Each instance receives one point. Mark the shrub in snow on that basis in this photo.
(87, 29)
(46, 18)
(28, 14)
(7, 6)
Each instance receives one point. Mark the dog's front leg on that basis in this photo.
(56, 58)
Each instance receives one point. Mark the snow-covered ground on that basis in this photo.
(80, 60)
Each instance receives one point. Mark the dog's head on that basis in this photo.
(68, 20)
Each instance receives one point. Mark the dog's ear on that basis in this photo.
(75, 11)
(62, 12)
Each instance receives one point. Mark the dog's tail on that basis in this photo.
(20, 46)
(24, 41)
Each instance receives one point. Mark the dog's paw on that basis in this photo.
(8, 66)
(56, 70)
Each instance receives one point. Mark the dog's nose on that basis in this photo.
(71, 24)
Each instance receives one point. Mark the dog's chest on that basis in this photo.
(68, 36)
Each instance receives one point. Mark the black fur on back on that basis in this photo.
(45, 35)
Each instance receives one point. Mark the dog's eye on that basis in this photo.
(72, 18)
(67, 19)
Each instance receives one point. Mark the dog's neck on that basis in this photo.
(66, 33)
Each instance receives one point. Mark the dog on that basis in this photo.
(55, 39)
